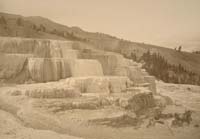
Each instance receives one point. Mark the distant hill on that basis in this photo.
(39, 27)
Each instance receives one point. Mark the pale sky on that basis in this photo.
(163, 22)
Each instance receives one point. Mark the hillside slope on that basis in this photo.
(39, 27)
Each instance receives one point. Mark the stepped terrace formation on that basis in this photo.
(62, 86)
(42, 60)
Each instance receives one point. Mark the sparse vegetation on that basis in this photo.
(179, 48)
(133, 56)
(42, 28)
(67, 35)
(196, 52)
(34, 27)
(158, 66)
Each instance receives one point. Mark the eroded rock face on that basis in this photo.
(38, 59)
(16, 45)
(42, 60)
(53, 69)
(38, 47)
(45, 69)
(47, 49)
(116, 65)
(97, 84)
(11, 65)
(51, 60)
(54, 49)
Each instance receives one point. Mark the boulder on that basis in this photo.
(162, 101)
(141, 102)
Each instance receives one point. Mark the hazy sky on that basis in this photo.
(163, 22)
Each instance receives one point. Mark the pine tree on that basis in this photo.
(42, 28)
(34, 27)
(54, 31)
(133, 56)
(179, 48)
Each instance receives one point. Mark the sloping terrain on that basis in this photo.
(189, 61)
(39, 27)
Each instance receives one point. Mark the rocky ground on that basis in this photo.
(23, 117)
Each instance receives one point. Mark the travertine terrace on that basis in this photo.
(62, 86)
(42, 61)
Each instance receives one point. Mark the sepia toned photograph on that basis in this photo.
(99, 69)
